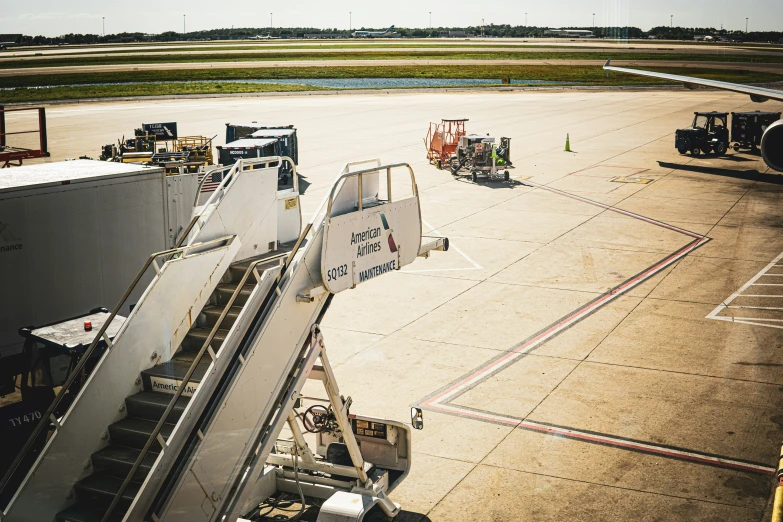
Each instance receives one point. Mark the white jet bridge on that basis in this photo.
(184, 416)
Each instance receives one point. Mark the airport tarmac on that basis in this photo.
(568, 350)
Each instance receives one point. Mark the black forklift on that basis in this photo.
(708, 134)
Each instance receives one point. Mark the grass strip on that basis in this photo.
(591, 75)
(77, 60)
(161, 89)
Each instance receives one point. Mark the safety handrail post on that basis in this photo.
(46, 417)
(155, 434)
(359, 173)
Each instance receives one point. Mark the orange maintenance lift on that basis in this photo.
(10, 154)
(442, 140)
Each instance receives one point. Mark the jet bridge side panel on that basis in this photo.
(249, 401)
(155, 328)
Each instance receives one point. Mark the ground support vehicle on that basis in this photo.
(479, 156)
(442, 141)
(747, 128)
(707, 134)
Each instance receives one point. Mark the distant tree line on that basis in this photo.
(491, 30)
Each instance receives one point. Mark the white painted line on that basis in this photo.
(759, 295)
(718, 309)
(475, 266)
(767, 284)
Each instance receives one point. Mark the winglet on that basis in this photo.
(607, 63)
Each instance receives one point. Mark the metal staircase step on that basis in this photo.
(212, 314)
(237, 270)
(87, 512)
(151, 405)
(196, 337)
(100, 489)
(166, 377)
(133, 433)
(224, 291)
(118, 461)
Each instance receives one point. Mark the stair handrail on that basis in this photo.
(310, 224)
(206, 347)
(249, 162)
(49, 417)
(240, 164)
(239, 167)
(360, 173)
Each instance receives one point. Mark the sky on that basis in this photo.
(56, 17)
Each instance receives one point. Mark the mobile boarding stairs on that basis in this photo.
(193, 412)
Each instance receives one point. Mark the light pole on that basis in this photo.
(184, 26)
(103, 24)
(746, 26)
(271, 25)
(671, 21)
(430, 19)
(593, 20)
(350, 20)
(525, 19)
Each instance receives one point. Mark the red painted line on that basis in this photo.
(617, 210)
(609, 440)
(436, 402)
(573, 317)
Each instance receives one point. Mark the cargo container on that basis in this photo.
(73, 235)
(229, 153)
(748, 127)
(237, 131)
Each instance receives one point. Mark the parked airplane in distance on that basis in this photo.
(261, 37)
(9, 40)
(771, 140)
(373, 34)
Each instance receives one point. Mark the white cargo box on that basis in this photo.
(73, 235)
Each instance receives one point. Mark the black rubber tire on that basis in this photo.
(454, 165)
(474, 176)
(696, 151)
(720, 149)
(682, 150)
(438, 165)
(736, 147)
(506, 176)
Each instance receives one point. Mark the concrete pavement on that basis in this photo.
(562, 348)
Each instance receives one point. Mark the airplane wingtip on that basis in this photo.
(607, 63)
